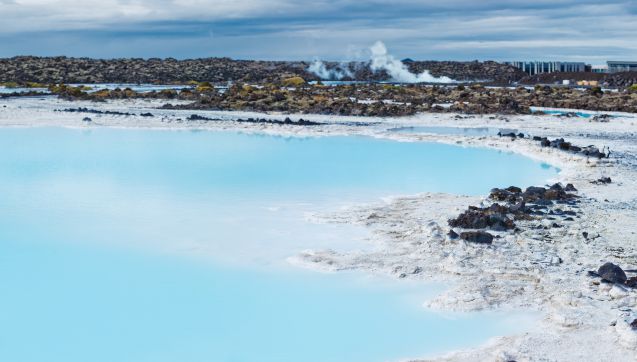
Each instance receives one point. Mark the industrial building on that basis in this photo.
(537, 67)
(618, 66)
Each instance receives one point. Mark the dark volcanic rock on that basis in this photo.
(479, 237)
(612, 273)
(170, 71)
(493, 217)
(603, 181)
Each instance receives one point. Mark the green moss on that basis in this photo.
(633, 88)
(10, 84)
(67, 90)
(34, 85)
(293, 82)
(204, 87)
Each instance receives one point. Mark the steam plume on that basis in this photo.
(381, 60)
(320, 69)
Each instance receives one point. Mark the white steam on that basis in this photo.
(398, 72)
(380, 60)
(320, 70)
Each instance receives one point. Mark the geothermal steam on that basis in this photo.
(380, 60)
(319, 69)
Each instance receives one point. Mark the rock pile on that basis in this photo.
(512, 204)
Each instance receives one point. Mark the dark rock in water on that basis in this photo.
(570, 188)
(452, 234)
(535, 190)
(632, 282)
(612, 273)
(196, 117)
(633, 324)
(148, 114)
(87, 119)
(479, 237)
(585, 235)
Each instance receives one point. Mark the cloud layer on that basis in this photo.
(584, 30)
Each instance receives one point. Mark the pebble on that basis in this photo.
(617, 292)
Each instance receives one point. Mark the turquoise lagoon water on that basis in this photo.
(140, 245)
(459, 131)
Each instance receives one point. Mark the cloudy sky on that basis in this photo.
(579, 30)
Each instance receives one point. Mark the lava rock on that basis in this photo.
(603, 181)
(479, 237)
(612, 273)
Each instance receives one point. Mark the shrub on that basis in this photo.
(633, 88)
(596, 91)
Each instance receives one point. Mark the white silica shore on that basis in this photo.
(537, 269)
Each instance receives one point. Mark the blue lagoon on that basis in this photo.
(147, 245)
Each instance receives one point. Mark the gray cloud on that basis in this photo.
(284, 29)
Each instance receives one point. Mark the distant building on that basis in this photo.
(588, 83)
(617, 66)
(599, 69)
(536, 67)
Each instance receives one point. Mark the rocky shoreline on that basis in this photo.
(294, 95)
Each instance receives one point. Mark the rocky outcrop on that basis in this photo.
(619, 80)
(173, 71)
(374, 99)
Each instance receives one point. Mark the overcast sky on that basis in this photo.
(579, 30)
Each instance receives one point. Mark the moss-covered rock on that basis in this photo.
(293, 82)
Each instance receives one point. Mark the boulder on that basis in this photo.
(479, 237)
(612, 273)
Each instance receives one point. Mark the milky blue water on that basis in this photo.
(5, 90)
(141, 88)
(460, 131)
(140, 245)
